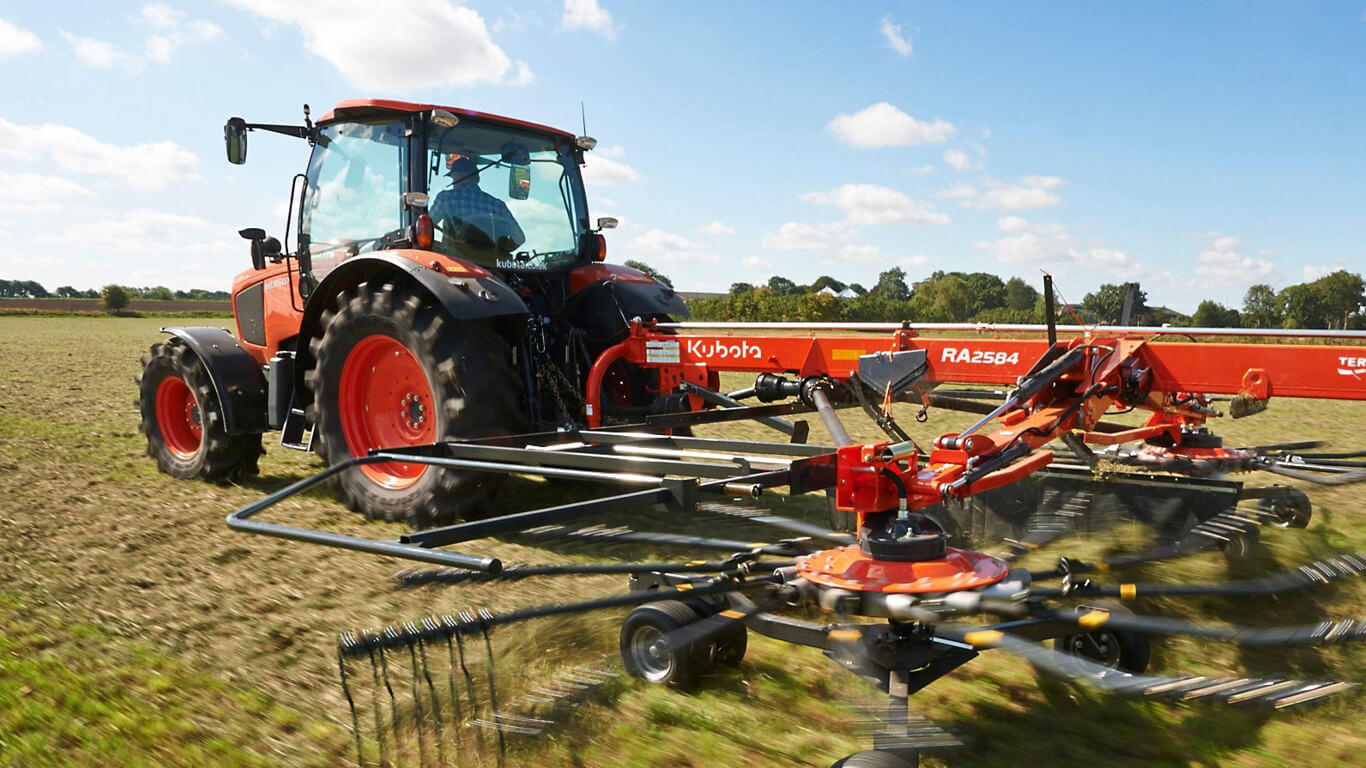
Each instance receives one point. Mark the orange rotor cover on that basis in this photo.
(848, 568)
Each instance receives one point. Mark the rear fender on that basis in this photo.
(605, 308)
(468, 296)
(236, 377)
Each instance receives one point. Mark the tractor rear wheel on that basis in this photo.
(183, 420)
(395, 370)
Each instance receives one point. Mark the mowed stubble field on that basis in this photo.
(136, 629)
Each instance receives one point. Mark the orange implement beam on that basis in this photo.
(1298, 370)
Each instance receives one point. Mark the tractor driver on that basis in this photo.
(468, 215)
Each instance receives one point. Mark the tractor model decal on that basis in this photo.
(978, 356)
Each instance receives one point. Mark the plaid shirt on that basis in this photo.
(478, 208)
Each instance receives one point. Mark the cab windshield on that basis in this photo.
(504, 198)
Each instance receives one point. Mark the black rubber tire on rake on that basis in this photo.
(220, 456)
(473, 384)
(1131, 650)
(646, 651)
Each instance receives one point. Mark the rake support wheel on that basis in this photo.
(183, 420)
(395, 370)
(1120, 649)
(647, 652)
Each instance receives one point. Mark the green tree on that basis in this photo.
(781, 286)
(651, 271)
(1020, 296)
(1342, 295)
(1211, 314)
(1260, 308)
(67, 292)
(892, 285)
(739, 288)
(985, 290)
(1302, 306)
(113, 298)
(1107, 304)
(947, 298)
(161, 293)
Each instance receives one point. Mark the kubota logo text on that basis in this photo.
(978, 356)
(1352, 366)
(715, 349)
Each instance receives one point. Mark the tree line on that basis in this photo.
(32, 289)
(1334, 301)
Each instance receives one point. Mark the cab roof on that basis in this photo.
(353, 109)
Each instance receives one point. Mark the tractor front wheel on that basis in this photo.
(395, 370)
(183, 420)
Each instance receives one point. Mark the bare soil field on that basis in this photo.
(137, 629)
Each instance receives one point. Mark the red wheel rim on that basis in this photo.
(178, 417)
(385, 401)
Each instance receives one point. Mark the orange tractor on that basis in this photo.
(444, 282)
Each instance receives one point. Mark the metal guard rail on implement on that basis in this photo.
(675, 471)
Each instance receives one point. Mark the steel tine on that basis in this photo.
(347, 639)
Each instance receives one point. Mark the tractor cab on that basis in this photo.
(501, 194)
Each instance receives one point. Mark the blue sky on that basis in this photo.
(1197, 148)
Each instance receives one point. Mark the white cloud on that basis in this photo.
(1225, 259)
(1028, 192)
(883, 125)
(31, 193)
(958, 160)
(400, 45)
(800, 236)
(1050, 246)
(513, 21)
(99, 54)
(923, 170)
(16, 41)
(587, 14)
(151, 165)
(173, 31)
(958, 192)
(869, 204)
(1012, 224)
(754, 262)
(603, 168)
(892, 31)
(864, 253)
(717, 227)
(144, 247)
(986, 133)
(1312, 273)
(658, 245)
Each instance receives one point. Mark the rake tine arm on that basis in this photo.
(1311, 575)
(1324, 632)
(1274, 693)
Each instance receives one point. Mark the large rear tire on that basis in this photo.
(393, 370)
(183, 420)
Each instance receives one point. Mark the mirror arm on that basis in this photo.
(297, 131)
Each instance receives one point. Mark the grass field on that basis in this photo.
(136, 629)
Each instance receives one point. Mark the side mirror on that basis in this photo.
(519, 182)
(257, 236)
(235, 135)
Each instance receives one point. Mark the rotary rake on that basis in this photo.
(891, 590)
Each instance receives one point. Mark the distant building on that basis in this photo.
(847, 293)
